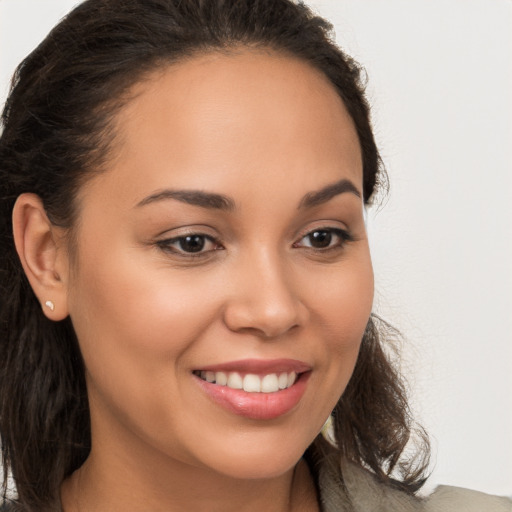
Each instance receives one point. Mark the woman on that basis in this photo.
(191, 295)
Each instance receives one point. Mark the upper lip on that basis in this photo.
(261, 366)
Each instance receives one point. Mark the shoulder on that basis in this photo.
(447, 499)
(345, 487)
(8, 505)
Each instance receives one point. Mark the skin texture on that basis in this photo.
(264, 130)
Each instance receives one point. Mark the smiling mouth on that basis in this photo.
(250, 382)
(258, 389)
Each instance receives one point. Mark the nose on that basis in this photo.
(264, 298)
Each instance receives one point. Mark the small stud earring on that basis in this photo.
(50, 305)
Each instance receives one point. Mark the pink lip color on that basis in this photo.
(259, 366)
(258, 406)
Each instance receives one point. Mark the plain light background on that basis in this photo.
(440, 85)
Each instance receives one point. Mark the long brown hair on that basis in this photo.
(57, 129)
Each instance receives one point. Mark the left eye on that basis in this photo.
(324, 239)
(190, 244)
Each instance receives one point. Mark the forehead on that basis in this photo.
(218, 120)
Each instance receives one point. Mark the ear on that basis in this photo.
(43, 255)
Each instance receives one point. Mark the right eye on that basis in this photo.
(194, 244)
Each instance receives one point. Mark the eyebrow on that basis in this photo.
(194, 197)
(326, 193)
(215, 201)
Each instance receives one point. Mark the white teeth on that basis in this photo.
(292, 377)
(251, 383)
(235, 381)
(283, 381)
(269, 383)
(221, 378)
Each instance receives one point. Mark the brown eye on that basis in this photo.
(320, 239)
(194, 244)
(325, 238)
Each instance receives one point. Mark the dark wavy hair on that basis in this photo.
(58, 127)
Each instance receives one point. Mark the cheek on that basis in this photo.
(342, 308)
(344, 302)
(135, 325)
(122, 299)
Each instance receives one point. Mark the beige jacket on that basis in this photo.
(362, 493)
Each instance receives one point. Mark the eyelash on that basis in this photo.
(169, 244)
(343, 236)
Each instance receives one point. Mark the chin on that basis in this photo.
(259, 459)
(259, 469)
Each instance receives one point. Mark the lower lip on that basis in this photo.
(256, 406)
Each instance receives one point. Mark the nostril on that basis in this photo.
(262, 320)
(263, 300)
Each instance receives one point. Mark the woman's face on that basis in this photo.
(225, 242)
